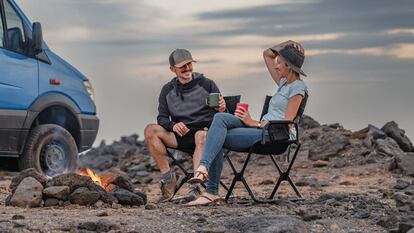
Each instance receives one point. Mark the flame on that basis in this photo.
(105, 181)
(92, 175)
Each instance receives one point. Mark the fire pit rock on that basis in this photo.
(27, 194)
(73, 189)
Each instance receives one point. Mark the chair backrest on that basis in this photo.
(299, 114)
(231, 102)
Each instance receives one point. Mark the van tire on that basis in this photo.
(51, 150)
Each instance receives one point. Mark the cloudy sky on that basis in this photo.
(360, 54)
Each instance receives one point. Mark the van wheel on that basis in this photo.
(51, 150)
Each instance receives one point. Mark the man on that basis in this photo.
(183, 118)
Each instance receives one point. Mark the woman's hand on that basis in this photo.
(244, 116)
(222, 105)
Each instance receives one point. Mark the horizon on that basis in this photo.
(359, 55)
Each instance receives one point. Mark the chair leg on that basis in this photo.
(285, 176)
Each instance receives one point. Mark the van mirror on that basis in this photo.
(37, 37)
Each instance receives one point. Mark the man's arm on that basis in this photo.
(163, 117)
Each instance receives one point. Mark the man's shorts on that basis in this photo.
(186, 142)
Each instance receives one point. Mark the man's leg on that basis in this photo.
(158, 139)
(200, 139)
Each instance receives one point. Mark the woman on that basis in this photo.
(239, 131)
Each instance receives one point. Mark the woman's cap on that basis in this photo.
(293, 58)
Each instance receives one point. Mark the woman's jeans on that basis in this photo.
(226, 131)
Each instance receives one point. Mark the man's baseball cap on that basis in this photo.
(180, 57)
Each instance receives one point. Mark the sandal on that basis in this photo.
(210, 201)
(200, 177)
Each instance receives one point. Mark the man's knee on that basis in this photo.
(151, 131)
(200, 137)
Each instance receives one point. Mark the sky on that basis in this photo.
(359, 54)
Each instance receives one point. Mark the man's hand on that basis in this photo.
(181, 129)
(222, 105)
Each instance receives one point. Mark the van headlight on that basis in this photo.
(89, 89)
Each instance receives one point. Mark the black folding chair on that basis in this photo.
(278, 144)
(231, 102)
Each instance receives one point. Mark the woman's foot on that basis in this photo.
(200, 176)
(206, 199)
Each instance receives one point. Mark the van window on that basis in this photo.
(15, 30)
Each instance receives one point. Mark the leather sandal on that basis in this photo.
(210, 201)
(200, 177)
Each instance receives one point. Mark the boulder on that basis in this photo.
(28, 194)
(329, 143)
(392, 130)
(266, 223)
(58, 192)
(388, 147)
(83, 196)
(404, 163)
(31, 172)
(126, 197)
(73, 181)
(51, 202)
(308, 122)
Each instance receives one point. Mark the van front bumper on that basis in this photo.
(88, 130)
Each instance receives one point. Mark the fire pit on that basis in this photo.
(31, 189)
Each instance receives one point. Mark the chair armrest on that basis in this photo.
(277, 128)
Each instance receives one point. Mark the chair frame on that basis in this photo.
(231, 102)
(271, 148)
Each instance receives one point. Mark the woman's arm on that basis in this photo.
(270, 61)
(293, 107)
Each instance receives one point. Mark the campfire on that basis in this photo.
(31, 189)
(105, 182)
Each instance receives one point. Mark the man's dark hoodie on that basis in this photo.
(186, 103)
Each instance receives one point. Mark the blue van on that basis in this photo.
(47, 109)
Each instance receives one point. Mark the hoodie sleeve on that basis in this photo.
(163, 117)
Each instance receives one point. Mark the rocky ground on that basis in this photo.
(353, 182)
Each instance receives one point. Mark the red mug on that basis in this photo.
(243, 106)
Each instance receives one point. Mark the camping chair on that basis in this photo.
(278, 144)
(231, 102)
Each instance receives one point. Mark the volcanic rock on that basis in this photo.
(404, 162)
(308, 122)
(51, 202)
(274, 224)
(58, 192)
(388, 147)
(328, 144)
(402, 184)
(401, 199)
(393, 131)
(73, 181)
(27, 194)
(126, 197)
(99, 226)
(31, 172)
(406, 223)
(83, 196)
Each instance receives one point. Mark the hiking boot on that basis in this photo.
(193, 193)
(167, 189)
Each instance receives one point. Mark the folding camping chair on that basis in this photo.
(231, 102)
(278, 144)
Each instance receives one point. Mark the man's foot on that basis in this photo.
(167, 189)
(205, 199)
(193, 193)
